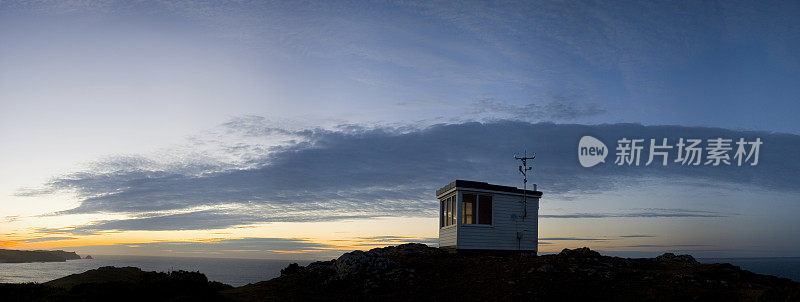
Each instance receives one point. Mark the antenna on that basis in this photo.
(524, 170)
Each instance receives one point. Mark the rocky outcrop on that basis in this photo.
(20, 256)
(412, 272)
(583, 252)
(378, 260)
(676, 258)
(368, 267)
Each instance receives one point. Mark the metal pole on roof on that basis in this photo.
(524, 170)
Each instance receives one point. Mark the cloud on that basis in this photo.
(557, 109)
(396, 239)
(351, 171)
(10, 218)
(637, 236)
(574, 239)
(384, 240)
(254, 247)
(197, 220)
(669, 245)
(651, 213)
(44, 239)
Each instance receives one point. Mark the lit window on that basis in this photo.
(475, 209)
(468, 207)
(450, 211)
(447, 211)
(441, 213)
(453, 210)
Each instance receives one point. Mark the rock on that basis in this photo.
(290, 269)
(406, 249)
(88, 257)
(667, 257)
(547, 268)
(583, 252)
(359, 263)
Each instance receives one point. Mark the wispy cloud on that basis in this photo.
(574, 239)
(252, 247)
(556, 109)
(619, 58)
(352, 171)
(397, 239)
(649, 213)
(670, 245)
(199, 220)
(45, 239)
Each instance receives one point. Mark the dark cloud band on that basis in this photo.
(368, 172)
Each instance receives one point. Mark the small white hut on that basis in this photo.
(480, 216)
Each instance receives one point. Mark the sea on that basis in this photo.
(238, 272)
(234, 272)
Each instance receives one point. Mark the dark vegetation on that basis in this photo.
(415, 272)
(19, 256)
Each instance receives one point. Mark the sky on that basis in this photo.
(302, 130)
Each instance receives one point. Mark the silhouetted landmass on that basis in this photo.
(413, 272)
(416, 272)
(88, 257)
(119, 284)
(20, 256)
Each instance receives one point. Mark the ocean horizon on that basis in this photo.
(238, 272)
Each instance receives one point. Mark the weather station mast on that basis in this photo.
(524, 170)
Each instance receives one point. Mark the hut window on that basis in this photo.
(452, 209)
(485, 209)
(476, 209)
(441, 213)
(447, 211)
(468, 207)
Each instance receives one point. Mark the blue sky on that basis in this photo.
(124, 122)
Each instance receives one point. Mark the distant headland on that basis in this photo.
(21, 256)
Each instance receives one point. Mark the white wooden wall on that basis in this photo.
(447, 236)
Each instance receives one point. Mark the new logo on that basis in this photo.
(591, 151)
